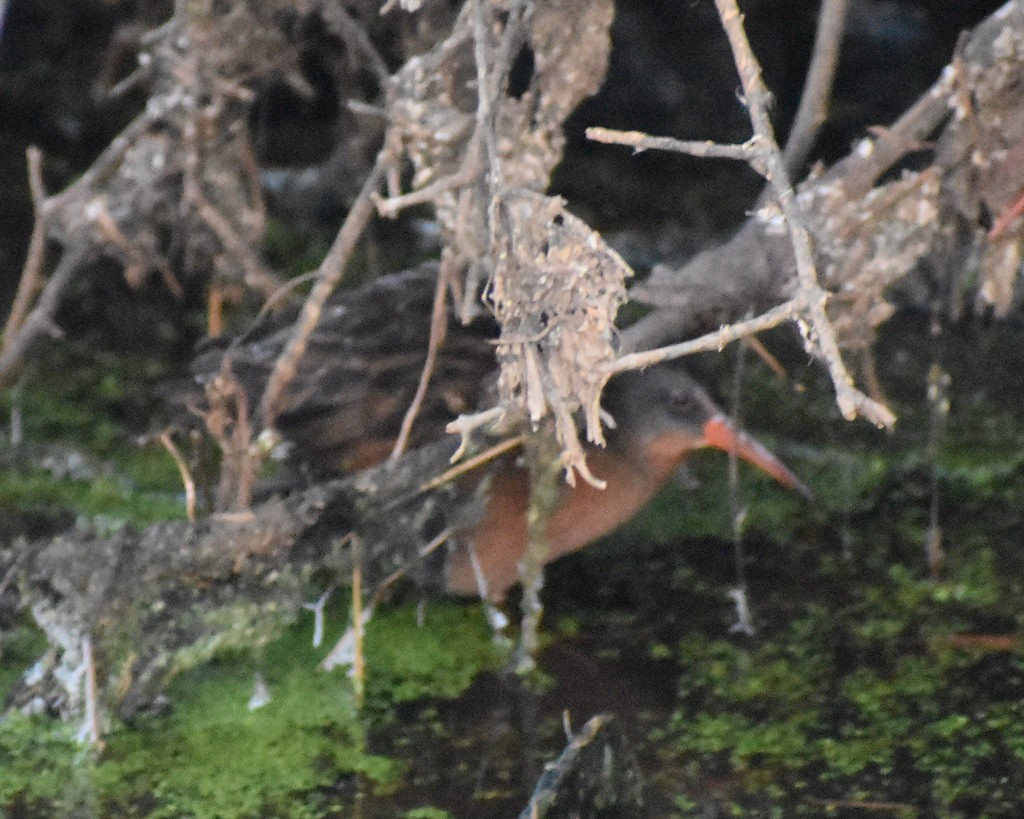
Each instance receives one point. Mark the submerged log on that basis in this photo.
(596, 775)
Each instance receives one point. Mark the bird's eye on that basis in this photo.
(681, 401)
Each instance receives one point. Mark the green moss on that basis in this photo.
(427, 813)
(215, 757)
(20, 646)
(406, 661)
(104, 500)
(212, 756)
(78, 459)
(37, 758)
(862, 702)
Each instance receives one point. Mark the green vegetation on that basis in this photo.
(868, 684)
(78, 463)
(870, 687)
(104, 501)
(406, 662)
(879, 685)
(303, 754)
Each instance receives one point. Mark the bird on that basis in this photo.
(359, 373)
(661, 416)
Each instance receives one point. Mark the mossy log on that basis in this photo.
(148, 605)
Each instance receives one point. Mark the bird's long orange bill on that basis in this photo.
(719, 433)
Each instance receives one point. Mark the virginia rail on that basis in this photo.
(358, 376)
(662, 415)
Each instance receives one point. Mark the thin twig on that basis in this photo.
(818, 329)
(390, 206)
(438, 331)
(286, 289)
(385, 585)
(466, 425)
(1008, 217)
(856, 174)
(31, 275)
(872, 157)
(40, 319)
(773, 364)
(329, 274)
(108, 161)
(866, 805)
(821, 74)
(257, 276)
(716, 340)
(640, 141)
(807, 308)
(737, 511)
(496, 618)
(183, 471)
(477, 460)
(358, 660)
(92, 710)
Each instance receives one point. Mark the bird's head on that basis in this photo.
(662, 414)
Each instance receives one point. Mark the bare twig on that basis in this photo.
(872, 157)
(385, 585)
(809, 117)
(31, 275)
(228, 422)
(390, 206)
(329, 274)
(817, 329)
(808, 307)
(106, 163)
(466, 425)
(91, 729)
(183, 470)
(856, 174)
(939, 382)
(438, 331)
(495, 616)
(645, 142)
(865, 805)
(737, 511)
(349, 650)
(257, 276)
(818, 85)
(40, 319)
(713, 341)
(469, 465)
(1008, 217)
